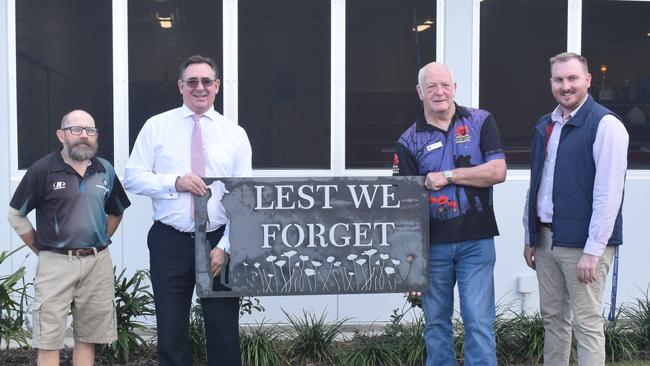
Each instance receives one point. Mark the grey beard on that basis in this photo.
(82, 152)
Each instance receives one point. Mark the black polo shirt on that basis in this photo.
(71, 210)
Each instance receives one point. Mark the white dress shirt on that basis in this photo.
(610, 156)
(162, 153)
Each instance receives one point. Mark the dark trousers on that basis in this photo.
(171, 256)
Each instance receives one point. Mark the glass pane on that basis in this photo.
(161, 35)
(284, 81)
(616, 42)
(387, 41)
(63, 62)
(517, 39)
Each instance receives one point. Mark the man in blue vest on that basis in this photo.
(573, 211)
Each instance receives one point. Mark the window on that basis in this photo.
(616, 42)
(517, 39)
(387, 43)
(161, 35)
(284, 82)
(63, 62)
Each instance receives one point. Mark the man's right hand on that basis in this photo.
(529, 255)
(192, 183)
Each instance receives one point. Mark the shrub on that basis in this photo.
(619, 343)
(132, 300)
(372, 351)
(259, 346)
(409, 336)
(311, 339)
(197, 334)
(197, 325)
(13, 300)
(638, 316)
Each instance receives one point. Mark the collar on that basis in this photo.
(57, 164)
(556, 115)
(211, 113)
(422, 125)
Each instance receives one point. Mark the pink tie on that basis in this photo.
(198, 159)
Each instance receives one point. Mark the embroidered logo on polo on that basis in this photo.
(103, 186)
(58, 185)
(462, 134)
(395, 164)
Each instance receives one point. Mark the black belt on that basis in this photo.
(212, 236)
(547, 225)
(80, 252)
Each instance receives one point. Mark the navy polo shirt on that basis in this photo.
(456, 212)
(71, 210)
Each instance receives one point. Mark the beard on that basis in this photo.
(82, 151)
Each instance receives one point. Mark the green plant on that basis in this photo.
(132, 300)
(197, 325)
(311, 339)
(529, 343)
(638, 316)
(372, 351)
(409, 335)
(13, 300)
(619, 343)
(259, 346)
(197, 334)
(459, 337)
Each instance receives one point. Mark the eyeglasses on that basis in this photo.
(77, 130)
(194, 82)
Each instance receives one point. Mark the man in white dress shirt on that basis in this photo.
(573, 218)
(172, 152)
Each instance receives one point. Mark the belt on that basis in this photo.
(212, 236)
(547, 225)
(81, 252)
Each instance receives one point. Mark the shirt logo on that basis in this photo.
(395, 164)
(58, 185)
(462, 134)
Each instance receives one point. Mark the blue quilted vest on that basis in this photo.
(573, 183)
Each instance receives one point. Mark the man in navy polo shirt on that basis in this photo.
(459, 151)
(79, 204)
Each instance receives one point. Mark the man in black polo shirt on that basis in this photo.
(79, 203)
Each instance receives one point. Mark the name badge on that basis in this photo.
(435, 145)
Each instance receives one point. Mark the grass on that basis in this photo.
(311, 339)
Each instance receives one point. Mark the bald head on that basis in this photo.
(434, 68)
(77, 118)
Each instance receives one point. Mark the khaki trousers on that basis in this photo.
(561, 295)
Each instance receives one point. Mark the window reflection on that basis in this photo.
(161, 35)
(63, 62)
(387, 41)
(616, 41)
(517, 39)
(284, 81)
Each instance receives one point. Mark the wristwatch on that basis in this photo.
(448, 174)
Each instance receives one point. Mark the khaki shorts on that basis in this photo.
(81, 285)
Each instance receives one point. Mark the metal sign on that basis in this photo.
(343, 235)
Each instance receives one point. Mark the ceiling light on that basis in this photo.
(165, 22)
(423, 26)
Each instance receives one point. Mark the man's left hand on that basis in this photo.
(587, 268)
(218, 259)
